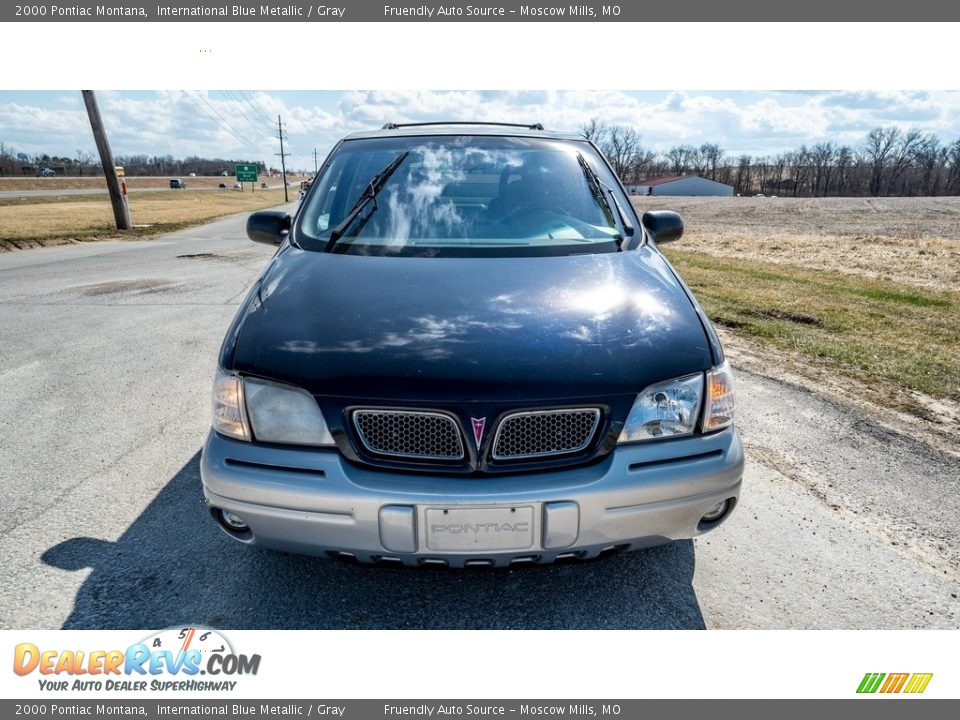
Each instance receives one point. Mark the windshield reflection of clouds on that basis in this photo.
(450, 194)
(414, 207)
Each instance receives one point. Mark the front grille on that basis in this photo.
(409, 434)
(545, 432)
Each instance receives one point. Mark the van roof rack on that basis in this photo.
(528, 126)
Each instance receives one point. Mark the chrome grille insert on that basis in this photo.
(414, 434)
(540, 433)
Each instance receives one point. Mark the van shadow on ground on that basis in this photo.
(174, 566)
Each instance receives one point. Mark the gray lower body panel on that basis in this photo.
(312, 502)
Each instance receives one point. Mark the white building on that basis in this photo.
(692, 185)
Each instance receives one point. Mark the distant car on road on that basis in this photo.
(469, 349)
(264, 186)
(177, 184)
(193, 174)
(45, 172)
(237, 186)
(304, 187)
(222, 186)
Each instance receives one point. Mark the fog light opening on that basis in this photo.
(233, 521)
(716, 512)
(232, 524)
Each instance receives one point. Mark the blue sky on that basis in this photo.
(231, 123)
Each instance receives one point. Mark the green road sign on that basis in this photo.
(247, 173)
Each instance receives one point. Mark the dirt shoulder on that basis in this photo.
(936, 425)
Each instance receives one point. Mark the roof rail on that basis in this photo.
(528, 126)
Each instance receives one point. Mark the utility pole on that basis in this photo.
(283, 158)
(315, 168)
(121, 212)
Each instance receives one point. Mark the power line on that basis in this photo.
(222, 122)
(219, 123)
(257, 128)
(227, 126)
(291, 150)
(256, 109)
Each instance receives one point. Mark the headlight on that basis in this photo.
(720, 399)
(229, 416)
(284, 414)
(667, 409)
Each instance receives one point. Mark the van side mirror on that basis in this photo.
(269, 227)
(663, 226)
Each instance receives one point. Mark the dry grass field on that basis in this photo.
(79, 183)
(910, 240)
(32, 221)
(855, 298)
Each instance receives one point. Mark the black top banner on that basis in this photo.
(510, 11)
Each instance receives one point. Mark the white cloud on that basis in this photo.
(243, 123)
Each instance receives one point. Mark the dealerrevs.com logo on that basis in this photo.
(177, 659)
(890, 683)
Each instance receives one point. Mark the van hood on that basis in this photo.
(469, 329)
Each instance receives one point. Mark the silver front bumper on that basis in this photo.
(313, 502)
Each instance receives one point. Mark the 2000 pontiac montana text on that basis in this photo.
(468, 349)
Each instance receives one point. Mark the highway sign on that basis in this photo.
(246, 173)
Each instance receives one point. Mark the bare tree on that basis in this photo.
(902, 156)
(679, 158)
(844, 161)
(84, 158)
(777, 170)
(953, 175)
(712, 157)
(595, 130)
(742, 184)
(877, 148)
(929, 160)
(821, 157)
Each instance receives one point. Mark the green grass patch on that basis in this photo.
(874, 330)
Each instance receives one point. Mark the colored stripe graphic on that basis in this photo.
(895, 682)
(870, 682)
(918, 682)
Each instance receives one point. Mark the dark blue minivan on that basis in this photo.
(468, 349)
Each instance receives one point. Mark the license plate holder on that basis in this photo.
(479, 529)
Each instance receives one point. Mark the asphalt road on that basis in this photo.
(106, 356)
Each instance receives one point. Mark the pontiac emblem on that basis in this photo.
(478, 429)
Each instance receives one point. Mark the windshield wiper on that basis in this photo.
(607, 200)
(369, 195)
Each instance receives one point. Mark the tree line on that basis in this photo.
(86, 163)
(888, 161)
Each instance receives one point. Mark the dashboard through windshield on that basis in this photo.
(461, 196)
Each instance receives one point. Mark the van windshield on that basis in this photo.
(462, 196)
